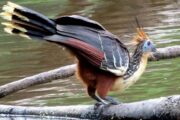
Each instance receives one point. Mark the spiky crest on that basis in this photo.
(141, 35)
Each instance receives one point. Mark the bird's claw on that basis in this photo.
(112, 101)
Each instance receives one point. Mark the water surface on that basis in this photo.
(20, 57)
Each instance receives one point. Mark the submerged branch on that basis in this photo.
(62, 72)
(165, 108)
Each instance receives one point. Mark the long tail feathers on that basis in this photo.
(25, 22)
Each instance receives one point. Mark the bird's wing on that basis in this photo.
(78, 20)
(87, 38)
(93, 42)
(116, 56)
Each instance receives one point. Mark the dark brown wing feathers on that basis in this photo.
(90, 53)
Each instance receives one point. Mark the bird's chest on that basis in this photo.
(121, 83)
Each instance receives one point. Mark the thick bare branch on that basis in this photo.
(44, 77)
(167, 52)
(165, 108)
(162, 53)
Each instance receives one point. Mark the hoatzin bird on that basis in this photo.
(104, 63)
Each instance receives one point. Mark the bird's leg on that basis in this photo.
(112, 100)
(100, 103)
(92, 93)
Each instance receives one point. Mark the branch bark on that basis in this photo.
(165, 108)
(62, 72)
(166, 53)
(41, 78)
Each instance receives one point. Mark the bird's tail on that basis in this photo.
(25, 22)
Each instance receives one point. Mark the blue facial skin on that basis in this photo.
(149, 46)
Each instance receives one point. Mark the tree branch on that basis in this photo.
(167, 52)
(62, 72)
(41, 78)
(165, 108)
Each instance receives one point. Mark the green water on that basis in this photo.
(20, 57)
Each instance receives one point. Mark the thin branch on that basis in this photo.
(164, 108)
(62, 72)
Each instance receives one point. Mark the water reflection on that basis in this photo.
(20, 57)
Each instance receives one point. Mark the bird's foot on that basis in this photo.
(98, 108)
(101, 104)
(112, 100)
(106, 102)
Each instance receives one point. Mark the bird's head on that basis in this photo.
(142, 39)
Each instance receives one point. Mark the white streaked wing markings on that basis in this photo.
(102, 47)
(114, 58)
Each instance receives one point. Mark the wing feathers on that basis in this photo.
(92, 54)
(79, 21)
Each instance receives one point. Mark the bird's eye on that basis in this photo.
(148, 43)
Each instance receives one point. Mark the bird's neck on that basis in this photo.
(137, 61)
